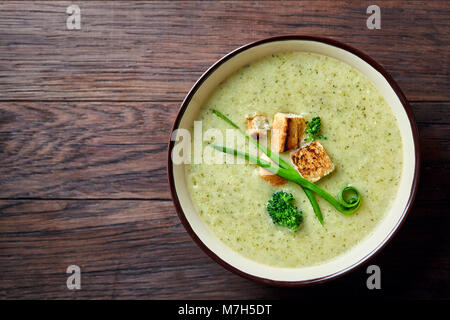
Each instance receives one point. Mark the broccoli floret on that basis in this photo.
(313, 129)
(283, 212)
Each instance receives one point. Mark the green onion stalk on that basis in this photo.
(343, 203)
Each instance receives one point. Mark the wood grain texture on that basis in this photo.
(85, 118)
(84, 150)
(117, 150)
(139, 250)
(156, 50)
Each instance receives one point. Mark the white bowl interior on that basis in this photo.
(371, 242)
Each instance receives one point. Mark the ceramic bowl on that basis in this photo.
(367, 247)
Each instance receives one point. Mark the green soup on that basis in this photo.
(363, 141)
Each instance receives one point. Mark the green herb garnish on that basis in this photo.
(283, 212)
(284, 170)
(313, 130)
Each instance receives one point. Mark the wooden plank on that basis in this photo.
(84, 150)
(155, 51)
(139, 249)
(118, 150)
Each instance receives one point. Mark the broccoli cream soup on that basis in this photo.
(359, 134)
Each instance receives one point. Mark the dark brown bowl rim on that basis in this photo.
(414, 186)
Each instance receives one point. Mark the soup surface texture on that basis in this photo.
(363, 141)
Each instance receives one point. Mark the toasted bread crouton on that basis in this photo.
(287, 131)
(257, 126)
(270, 177)
(312, 161)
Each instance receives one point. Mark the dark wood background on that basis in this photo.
(85, 117)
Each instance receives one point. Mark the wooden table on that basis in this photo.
(84, 122)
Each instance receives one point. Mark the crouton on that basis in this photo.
(312, 161)
(257, 126)
(270, 177)
(287, 131)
